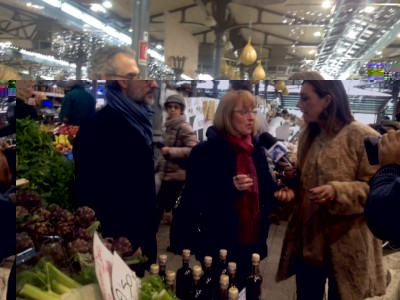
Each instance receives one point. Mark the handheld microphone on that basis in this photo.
(276, 150)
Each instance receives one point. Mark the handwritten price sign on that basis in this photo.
(103, 261)
(125, 284)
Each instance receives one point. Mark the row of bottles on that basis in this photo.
(206, 282)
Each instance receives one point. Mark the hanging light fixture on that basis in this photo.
(259, 72)
(249, 54)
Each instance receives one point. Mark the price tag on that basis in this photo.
(103, 261)
(242, 294)
(125, 284)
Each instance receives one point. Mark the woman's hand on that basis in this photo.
(242, 182)
(164, 150)
(285, 194)
(322, 194)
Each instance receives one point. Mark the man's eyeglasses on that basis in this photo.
(244, 112)
(129, 76)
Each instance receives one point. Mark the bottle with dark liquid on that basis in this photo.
(184, 276)
(162, 262)
(223, 288)
(232, 275)
(208, 279)
(233, 293)
(253, 282)
(196, 291)
(222, 266)
(170, 277)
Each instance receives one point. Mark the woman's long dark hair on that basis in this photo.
(335, 116)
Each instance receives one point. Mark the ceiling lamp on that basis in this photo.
(369, 9)
(259, 73)
(249, 54)
(326, 4)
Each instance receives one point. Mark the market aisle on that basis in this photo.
(271, 290)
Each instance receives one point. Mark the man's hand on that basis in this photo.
(389, 148)
(285, 194)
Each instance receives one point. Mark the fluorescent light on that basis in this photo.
(341, 50)
(88, 19)
(55, 3)
(352, 34)
(312, 51)
(369, 9)
(107, 4)
(326, 4)
(71, 10)
(155, 55)
(378, 52)
(317, 33)
(98, 8)
(184, 76)
(158, 46)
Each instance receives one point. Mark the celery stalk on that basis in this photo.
(31, 292)
(62, 278)
(59, 288)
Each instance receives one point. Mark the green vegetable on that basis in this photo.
(153, 288)
(44, 282)
(49, 173)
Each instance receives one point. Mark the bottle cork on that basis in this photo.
(233, 293)
(186, 252)
(154, 269)
(223, 253)
(162, 258)
(224, 280)
(255, 258)
(207, 261)
(171, 275)
(197, 270)
(232, 267)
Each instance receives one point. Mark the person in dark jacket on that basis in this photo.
(115, 168)
(383, 204)
(229, 189)
(78, 105)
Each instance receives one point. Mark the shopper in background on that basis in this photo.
(279, 119)
(327, 236)
(383, 204)
(389, 125)
(113, 62)
(229, 187)
(114, 165)
(246, 85)
(24, 92)
(179, 139)
(78, 104)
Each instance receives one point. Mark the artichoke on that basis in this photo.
(84, 216)
(23, 242)
(29, 199)
(123, 246)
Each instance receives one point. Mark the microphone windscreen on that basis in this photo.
(267, 140)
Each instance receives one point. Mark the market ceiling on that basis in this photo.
(333, 37)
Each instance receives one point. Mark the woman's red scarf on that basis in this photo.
(249, 205)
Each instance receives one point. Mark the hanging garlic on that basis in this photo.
(231, 73)
(280, 85)
(285, 91)
(249, 54)
(259, 73)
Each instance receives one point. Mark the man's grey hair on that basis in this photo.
(102, 60)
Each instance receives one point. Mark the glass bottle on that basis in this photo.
(253, 282)
(233, 293)
(170, 277)
(232, 275)
(196, 291)
(184, 276)
(208, 279)
(221, 269)
(223, 288)
(162, 262)
(155, 270)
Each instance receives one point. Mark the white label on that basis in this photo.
(125, 284)
(103, 260)
(242, 294)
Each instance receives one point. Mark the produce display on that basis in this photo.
(64, 137)
(49, 173)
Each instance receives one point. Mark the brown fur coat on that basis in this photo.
(352, 250)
